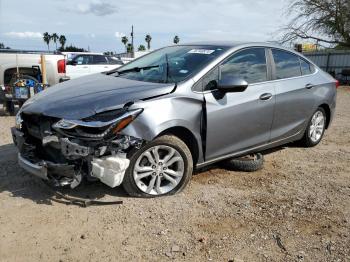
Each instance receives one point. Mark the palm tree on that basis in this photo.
(47, 39)
(62, 41)
(141, 48)
(148, 40)
(54, 37)
(129, 48)
(125, 40)
(176, 40)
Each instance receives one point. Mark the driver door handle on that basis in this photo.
(266, 96)
(309, 86)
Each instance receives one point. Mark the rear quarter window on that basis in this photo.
(287, 64)
(306, 67)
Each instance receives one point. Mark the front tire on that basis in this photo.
(163, 166)
(315, 129)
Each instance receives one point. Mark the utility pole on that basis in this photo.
(132, 41)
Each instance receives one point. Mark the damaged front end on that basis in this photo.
(64, 151)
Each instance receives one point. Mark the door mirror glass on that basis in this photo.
(230, 83)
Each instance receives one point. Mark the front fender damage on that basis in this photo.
(106, 162)
(69, 155)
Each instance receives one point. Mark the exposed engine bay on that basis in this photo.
(63, 152)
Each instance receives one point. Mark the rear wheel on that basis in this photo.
(161, 167)
(315, 129)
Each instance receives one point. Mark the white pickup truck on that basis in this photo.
(28, 64)
(83, 64)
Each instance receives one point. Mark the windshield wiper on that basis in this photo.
(133, 69)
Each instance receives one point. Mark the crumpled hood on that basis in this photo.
(86, 96)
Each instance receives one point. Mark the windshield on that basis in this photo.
(170, 64)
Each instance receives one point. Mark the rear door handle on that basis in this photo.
(309, 86)
(265, 96)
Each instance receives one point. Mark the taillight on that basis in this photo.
(61, 66)
(337, 83)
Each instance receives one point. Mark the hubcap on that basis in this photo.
(317, 126)
(158, 170)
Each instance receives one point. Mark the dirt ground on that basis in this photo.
(296, 209)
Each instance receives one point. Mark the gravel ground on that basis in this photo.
(296, 209)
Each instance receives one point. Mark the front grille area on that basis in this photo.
(37, 126)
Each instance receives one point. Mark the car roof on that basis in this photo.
(81, 53)
(233, 44)
(241, 44)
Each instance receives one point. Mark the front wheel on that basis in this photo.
(315, 129)
(161, 167)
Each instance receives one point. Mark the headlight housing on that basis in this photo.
(99, 127)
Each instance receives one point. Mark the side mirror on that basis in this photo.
(232, 84)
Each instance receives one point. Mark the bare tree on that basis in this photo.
(326, 21)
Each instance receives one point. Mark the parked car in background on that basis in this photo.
(91, 63)
(149, 123)
(344, 77)
(29, 67)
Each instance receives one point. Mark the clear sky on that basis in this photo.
(99, 24)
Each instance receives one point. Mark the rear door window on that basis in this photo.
(114, 61)
(249, 64)
(99, 60)
(287, 64)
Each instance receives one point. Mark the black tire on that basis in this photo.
(248, 163)
(306, 141)
(174, 142)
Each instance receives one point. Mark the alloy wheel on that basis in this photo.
(159, 170)
(317, 126)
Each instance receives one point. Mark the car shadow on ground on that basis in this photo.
(21, 184)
